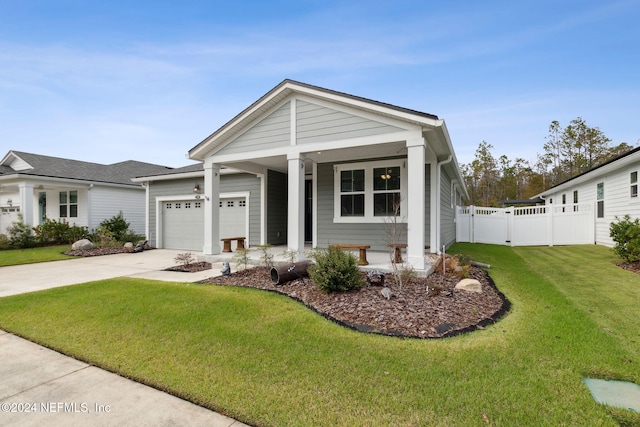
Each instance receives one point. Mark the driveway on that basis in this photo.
(20, 279)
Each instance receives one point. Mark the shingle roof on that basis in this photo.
(197, 167)
(55, 167)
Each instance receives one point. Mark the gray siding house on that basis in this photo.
(312, 165)
(37, 187)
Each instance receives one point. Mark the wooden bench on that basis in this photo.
(397, 255)
(227, 243)
(363, 251)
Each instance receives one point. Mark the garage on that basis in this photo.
(183, 222)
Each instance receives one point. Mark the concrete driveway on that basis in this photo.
(40, 386)
(20, 279)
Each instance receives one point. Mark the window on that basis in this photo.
(352, 192)
(575, 200)
(178, 205)
(187, 205)
(242, 203)
(633, 179)
(369, 192)
(198, 205)
(386, 191)
(600, 199)
(230, 204)
(68, 204)
(564, 201)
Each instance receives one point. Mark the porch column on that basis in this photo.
(416, 203)
(295, 204)
(26, 203)
(211, 209)
(433, 206)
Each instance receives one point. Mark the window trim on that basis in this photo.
(599, 201)
(368, 168)
(633, 185)
(68, 204)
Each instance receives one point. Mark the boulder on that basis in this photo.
(386, 292)
(128, 245)
(470, 285)
(82, 244)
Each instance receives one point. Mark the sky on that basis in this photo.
(108, 81)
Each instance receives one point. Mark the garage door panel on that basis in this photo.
(183, 225)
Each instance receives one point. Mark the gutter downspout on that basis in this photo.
(439, 201)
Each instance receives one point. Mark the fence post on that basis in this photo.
(509, 240)
(549, 212)
(472, 231)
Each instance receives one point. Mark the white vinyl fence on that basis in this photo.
(529, 226)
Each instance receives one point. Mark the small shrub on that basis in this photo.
(290, 255)
(101, 236)
(4, 242)
(58, 232)
(118, 226)
(335, 270)
(241, 257)
(626, 235)
(266, 257)
(184, 259)
(21, 235)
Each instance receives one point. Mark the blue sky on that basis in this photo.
(147, 80)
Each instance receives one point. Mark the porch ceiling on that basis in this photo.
(279, 163)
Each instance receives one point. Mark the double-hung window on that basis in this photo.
(352, 192)
(369, 191)
(68, 204)
(633, 182)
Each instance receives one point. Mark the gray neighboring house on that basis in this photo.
(80, 193)
(316, 166)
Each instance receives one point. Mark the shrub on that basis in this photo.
(241, 257)
(4, 242)
(118, 227)
(185, 259)
(335, 270)
(266, 257)
(102, 236)
(626, 235)
(58, 232)
(21, 235)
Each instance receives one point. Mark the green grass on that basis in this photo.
(33, 255)
(266, 360)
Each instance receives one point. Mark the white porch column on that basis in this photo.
(211, 209)
(26, 203)
(295, 207)
(433, 206)
(416, 203)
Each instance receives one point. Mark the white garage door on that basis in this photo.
(233, 218)
(183, 222)
(183, 225)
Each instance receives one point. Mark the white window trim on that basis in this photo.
(634, 184)
(368, 191)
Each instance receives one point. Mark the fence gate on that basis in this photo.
(529, 226)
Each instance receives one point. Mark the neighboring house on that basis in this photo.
(80, 193)
(312, 165)
(611, 188)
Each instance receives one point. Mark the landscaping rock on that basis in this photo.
(469, 285)
(128, 245)
(386, 292)
(82, 244)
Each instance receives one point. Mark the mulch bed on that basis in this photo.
(98, 251)
(411, 311)
(191, 268)
(631, 266)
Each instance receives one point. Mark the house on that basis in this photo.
(611, 188)
(81, 193)
(305, 164)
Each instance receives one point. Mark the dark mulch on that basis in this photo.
(191, 268)
(631, 266)
(102, 250)
(411, 312)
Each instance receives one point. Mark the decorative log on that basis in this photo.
(287, 272)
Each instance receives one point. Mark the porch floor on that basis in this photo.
(378, 260)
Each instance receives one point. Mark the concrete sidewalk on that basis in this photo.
(42, 387)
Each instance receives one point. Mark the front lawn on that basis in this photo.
(267, 360)
(33, 255)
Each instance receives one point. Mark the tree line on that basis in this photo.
(567, 152)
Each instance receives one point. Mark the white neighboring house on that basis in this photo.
(80, 193)
(611, 187)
